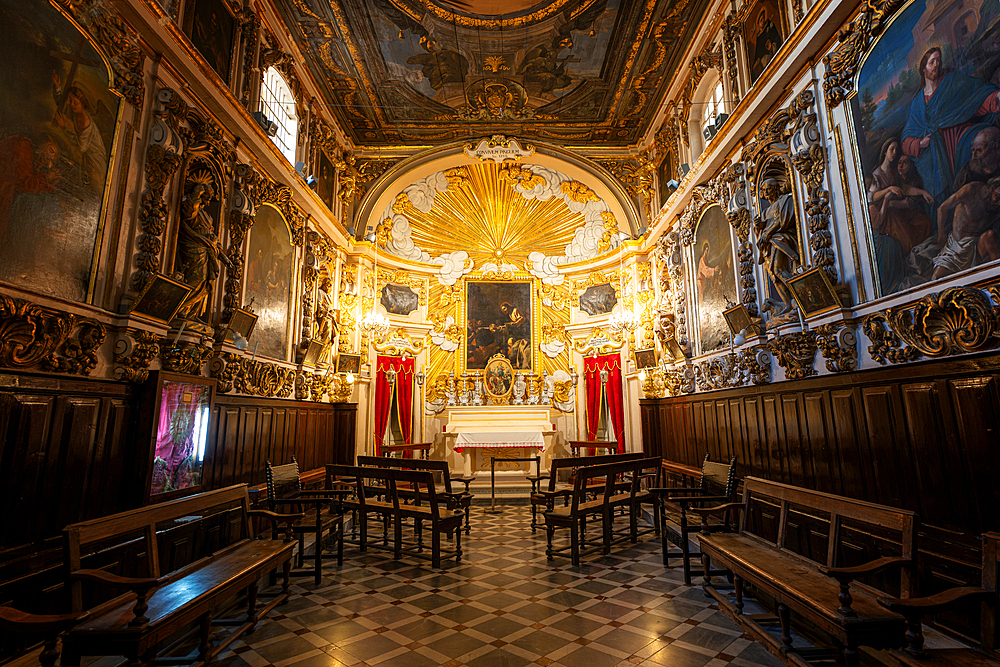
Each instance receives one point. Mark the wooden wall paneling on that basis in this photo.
(27, 439)
(282, 451)
(263, 448)
(756, 461)
(933, 447)
(817, 432)
(772, 439)
(977, 419)
(796, 453)
(723, 431)
(887, 440)
(848, 444)
(73, 450)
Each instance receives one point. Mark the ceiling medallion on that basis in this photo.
(499, 149)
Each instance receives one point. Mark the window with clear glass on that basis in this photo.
(278, 104)
(713, 105)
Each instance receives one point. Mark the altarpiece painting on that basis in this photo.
(925, 118)
(57, 128)
(498, 321)
(715, 279)
(268, 282)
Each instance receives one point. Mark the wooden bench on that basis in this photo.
(717, 484)
(442, 480)
(792, 545)
(576, 447)
(398, 495)
(322, 516)
(156, 607)
(914, 609)
(421, 448)
(597, 491)
(559, 480)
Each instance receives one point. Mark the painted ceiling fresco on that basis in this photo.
(404, 72)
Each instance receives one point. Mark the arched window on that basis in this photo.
(278, 104)
(713, 105)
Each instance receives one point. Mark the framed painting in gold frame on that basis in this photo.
(814, 292)
(498, 378)
(161, 299)
(500, 318)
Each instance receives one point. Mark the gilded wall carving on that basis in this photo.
(855, 39)
(34, 336)
(796, 353)
(839, 347)
(183, 356)
(135, 350)
(737, 369)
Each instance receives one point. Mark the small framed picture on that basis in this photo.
(645, 358)
(243, 323)
(673, 349)
(312, 354)
(349, 363)
(763, 34)
(738, 318)
(161, 299)
(814, 293)
(212, 30)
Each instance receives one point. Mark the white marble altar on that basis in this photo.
(494, 426)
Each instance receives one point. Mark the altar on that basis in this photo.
(474, 434)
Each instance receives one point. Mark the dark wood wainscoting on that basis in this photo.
(924, 437)
(65, 444)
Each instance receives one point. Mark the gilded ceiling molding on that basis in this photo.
(135, 350)
(322, 138)
(163, 158)
(855, 39)
(839, 346)
(37, 336)
(117, 41)
(959, 320)
(636, 174)
(795, 353)
(184, 356)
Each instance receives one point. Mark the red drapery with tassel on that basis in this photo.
(384, 394)
(592, 367)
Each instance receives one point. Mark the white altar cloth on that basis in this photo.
(499, 439)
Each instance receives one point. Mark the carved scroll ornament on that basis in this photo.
(855, 39)
(958, 320)
(795, 353)
(35, 336)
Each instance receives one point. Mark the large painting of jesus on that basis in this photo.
(498, 320)
(57, 128)
(925, 117)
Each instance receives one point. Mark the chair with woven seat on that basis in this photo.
(323, 518)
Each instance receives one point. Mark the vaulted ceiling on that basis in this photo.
(425, 72)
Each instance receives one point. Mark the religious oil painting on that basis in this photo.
(324, 178)
(715, 279)
(57, 127)
(498, 378)
(269, 279)
(349, 363)
(161, 299)
(645, 358)
(498, 321)
(182, 417)
(763, 33)
(814, 293)
(925, 118)
(212, 30)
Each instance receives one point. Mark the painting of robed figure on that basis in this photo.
(498, 321)
(925, 118)
(57, 129)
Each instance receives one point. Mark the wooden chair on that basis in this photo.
(49, 627)
(718, 485)
(320, 518)
(576, 446)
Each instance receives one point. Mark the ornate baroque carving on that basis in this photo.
(795, 353)
(35, 336)
(855, 39)
(734, 370)
(958, 320)
(185, 357)
(134, 352)
(839, 347)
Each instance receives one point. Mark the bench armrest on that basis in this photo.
(677, 489)
(276, 518)
(49, 624)
(845, 575)
(914, 609)
(141, 586)
(706, 512)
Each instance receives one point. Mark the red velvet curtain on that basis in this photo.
(384, 395)
(592, 367)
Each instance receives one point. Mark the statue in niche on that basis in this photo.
(778, 244)
(198, 249)
(324, 327)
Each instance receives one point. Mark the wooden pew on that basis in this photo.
(717, 484)
(763, 552)
(398, 495)
(558, 482)
(442, 479)
(614, 485)
(158, 606)
(915, 609)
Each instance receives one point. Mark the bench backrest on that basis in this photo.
(621, 477)
(440, 469)
(283, 482)
(388, 485)
(989, 627)
(140, 527)
(825, 528)
(569, 464)
(718, 479)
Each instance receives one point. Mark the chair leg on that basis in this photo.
(318, 559)
(252, 607)
(574, 541)
(738, 585)
(302, 550)
(340, 543)
(436, 547)
(458, 545)
(548, 543)
(706, 563)
(364, 530)
(686, 550)
(468, 518)
(286, 579)
(784, 617)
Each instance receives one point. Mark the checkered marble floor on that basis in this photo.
(504, 605)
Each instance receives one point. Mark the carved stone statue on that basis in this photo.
(778, 241)
(199, 251)
(323, 325)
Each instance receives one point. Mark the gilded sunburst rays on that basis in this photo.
(489, 219)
